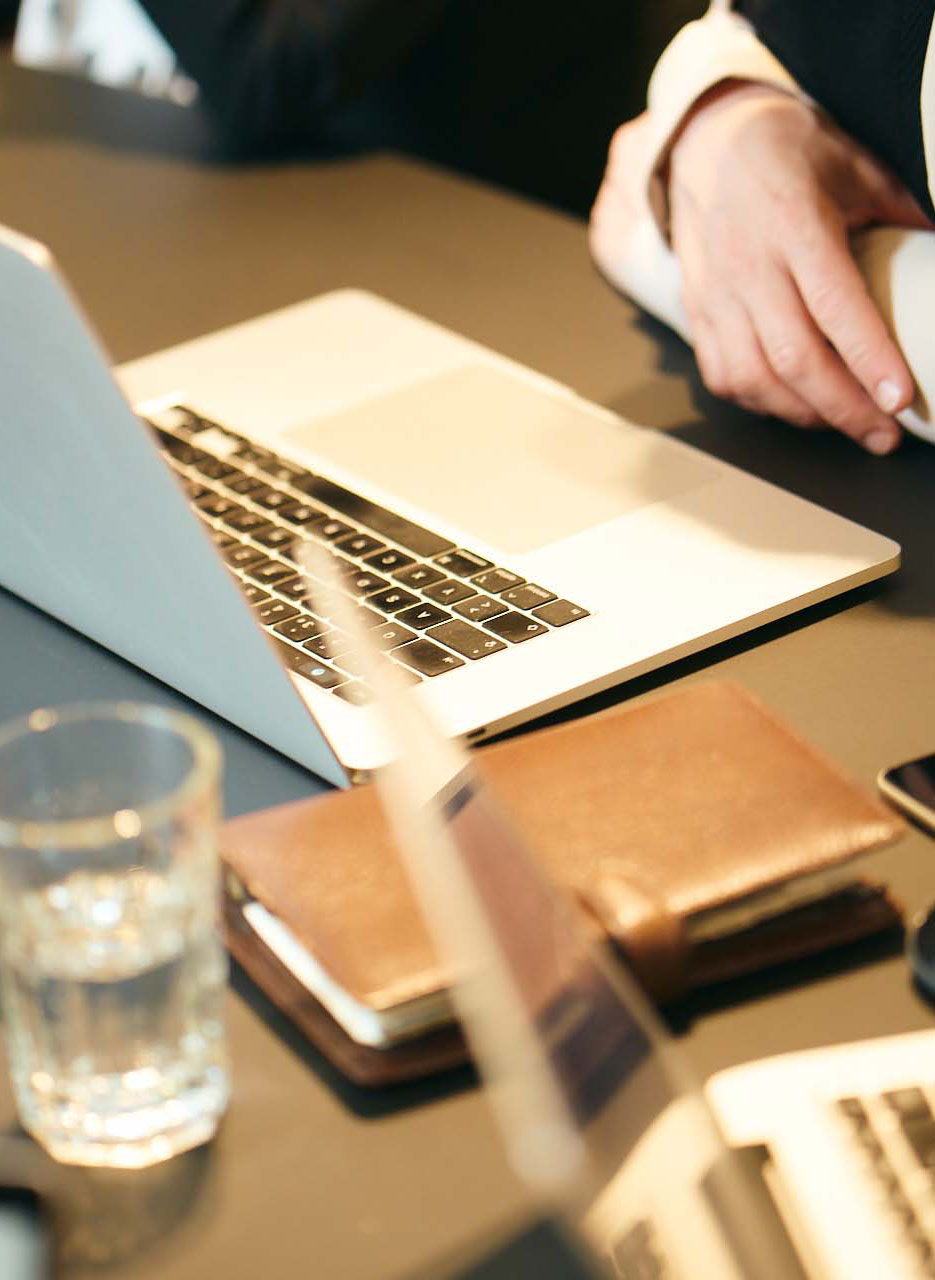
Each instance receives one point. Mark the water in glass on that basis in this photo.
(113, 990)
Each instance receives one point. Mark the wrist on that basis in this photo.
(713, 126)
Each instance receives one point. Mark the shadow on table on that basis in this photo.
(48, 105)
(366, 1103)
(104, 1219)
(795, 974)
(539, 1251)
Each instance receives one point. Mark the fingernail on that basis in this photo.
(880, 440)
(889, 396)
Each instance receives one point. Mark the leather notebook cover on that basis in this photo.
(699, 833)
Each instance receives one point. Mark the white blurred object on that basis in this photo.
(111, 41)
(899, 269)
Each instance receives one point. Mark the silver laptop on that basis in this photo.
(811, 1166)
(514, 546)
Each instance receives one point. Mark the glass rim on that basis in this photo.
(72, 834)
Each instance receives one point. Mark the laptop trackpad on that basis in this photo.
(504, 460)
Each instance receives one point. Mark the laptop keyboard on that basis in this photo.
(895, 1132)
(638, 1256)
(434, 606)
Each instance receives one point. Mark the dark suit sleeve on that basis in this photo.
(862, 60)
(8, 12)
(268, 70)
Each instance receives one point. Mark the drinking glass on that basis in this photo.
(111, 962)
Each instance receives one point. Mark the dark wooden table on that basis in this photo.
(163, 241)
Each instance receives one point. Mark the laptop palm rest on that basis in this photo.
(519, 466)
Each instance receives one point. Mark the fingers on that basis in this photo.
(758, 341)
(734, 365)
(766, 352)
(883, 197)
(762, 194)
(800, 356)
(730, 356)
(831, 287)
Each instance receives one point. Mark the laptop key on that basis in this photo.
(462, 564)
(449, 591)
(272, 612)
(480, 608)
(275, 536)
(391, 635)
(359, 544)
(363, 583)
(467, 640)
(288, 547)
(330, 529)
(268, 572)
(216, 468)
(421, 616)
(347, 568)
(248, 452)
(311, 668)
(560, 612)
(497, 580)
(516, 627)
(279, 469)
(916, 1121)
(271, 499)
(301, 513)
(348, 661)
(181, 450)
(215, 504)
(386, 523)
(320, 673)
(183, 419)
(389, 560)
(253, 593)
(369, 617)
(245, 521)
(355, 692)
(638, 1254)
(528, 596)
(193, 489)
(243, 484)
(427, 658)
(241, 554)
(300, 628)
(295, 588)
(326, 644)
(418, 576)
(392, 600)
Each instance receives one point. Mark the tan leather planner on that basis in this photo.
(701, 836)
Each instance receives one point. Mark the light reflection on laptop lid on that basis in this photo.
(600, 1115)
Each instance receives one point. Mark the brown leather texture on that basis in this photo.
(648, 814)
(435, 1051)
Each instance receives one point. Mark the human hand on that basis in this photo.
(763, 194)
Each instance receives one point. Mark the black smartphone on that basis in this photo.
(911, 787)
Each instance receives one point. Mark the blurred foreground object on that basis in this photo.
(112, 967)
(111, 41)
